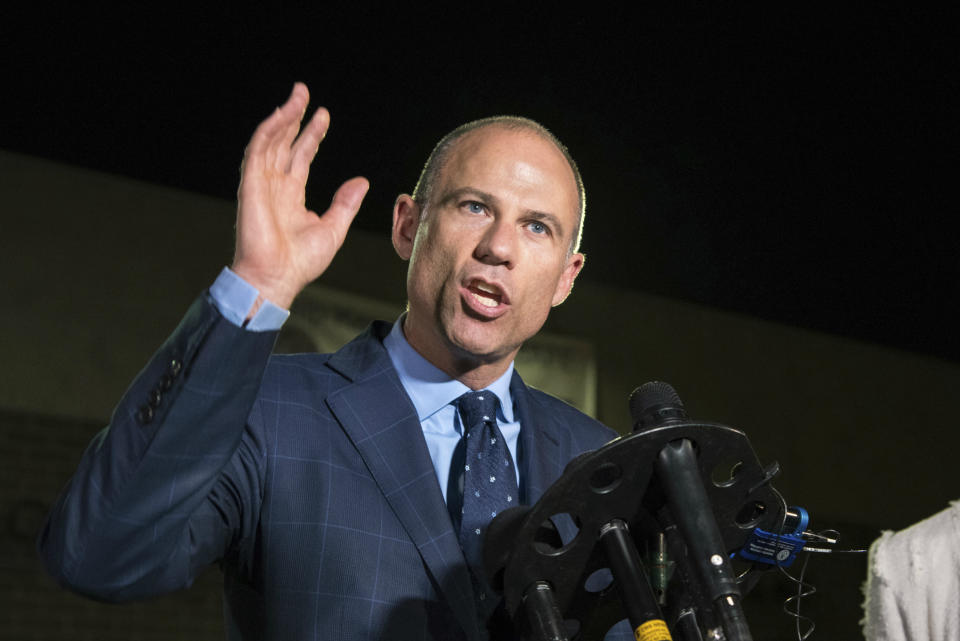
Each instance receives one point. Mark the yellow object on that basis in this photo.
(653, 630)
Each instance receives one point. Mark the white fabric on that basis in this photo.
(913, 582)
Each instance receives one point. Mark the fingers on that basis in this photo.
(292, 111)
(271, 140)
(305, 148)
(345, 205)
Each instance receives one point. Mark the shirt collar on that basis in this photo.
(428, 387)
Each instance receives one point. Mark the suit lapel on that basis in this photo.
(379, 418)
(540, 457)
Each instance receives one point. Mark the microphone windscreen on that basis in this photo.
(655, 403)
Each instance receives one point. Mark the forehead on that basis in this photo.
(512, 162)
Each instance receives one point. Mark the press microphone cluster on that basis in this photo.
(648, 509)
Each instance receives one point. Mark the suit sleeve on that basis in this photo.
(174, 482)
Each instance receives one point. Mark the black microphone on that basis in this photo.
(657, 404)
(654, 404)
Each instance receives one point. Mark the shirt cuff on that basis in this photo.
(234, 297)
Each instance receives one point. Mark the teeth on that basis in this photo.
(485, 288)
(478, 289)
(488, 302)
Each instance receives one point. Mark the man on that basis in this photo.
(321, 483)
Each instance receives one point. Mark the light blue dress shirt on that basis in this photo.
(432, 391)
(234, 297)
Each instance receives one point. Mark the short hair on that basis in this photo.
(438, 158)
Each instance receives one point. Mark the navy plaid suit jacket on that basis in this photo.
(305, 477)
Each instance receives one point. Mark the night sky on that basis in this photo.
(790, 163)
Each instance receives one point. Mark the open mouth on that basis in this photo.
(486, 295)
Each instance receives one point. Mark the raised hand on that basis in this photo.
(281, 245)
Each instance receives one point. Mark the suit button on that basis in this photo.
(166, 382)
(175, 366)
(154, 398)
(145, 414)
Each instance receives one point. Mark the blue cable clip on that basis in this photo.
(778, 549)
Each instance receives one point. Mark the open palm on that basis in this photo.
(281, 245)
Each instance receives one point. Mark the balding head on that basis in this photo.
(437, 161)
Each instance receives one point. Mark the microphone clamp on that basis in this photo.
(775, 548)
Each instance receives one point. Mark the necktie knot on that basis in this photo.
(476, 409)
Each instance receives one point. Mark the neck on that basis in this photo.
(478, 377)
(476, 372)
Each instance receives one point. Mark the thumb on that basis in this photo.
(346, 204)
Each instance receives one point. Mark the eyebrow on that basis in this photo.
(534, 214)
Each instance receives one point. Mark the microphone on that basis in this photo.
(657, 404)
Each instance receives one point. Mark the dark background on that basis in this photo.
(788, 163)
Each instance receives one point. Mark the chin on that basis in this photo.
(482, 347)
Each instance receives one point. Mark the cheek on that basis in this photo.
(538, 299)
(542, 295)
(432, 272)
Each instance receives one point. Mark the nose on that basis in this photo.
(498, 244)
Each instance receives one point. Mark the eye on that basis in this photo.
(474, 207)
(538, 228)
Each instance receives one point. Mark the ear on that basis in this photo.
(406, 220)
(569, 274)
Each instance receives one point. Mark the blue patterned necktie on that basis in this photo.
(489, 483)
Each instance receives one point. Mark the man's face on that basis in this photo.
(490, 256)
